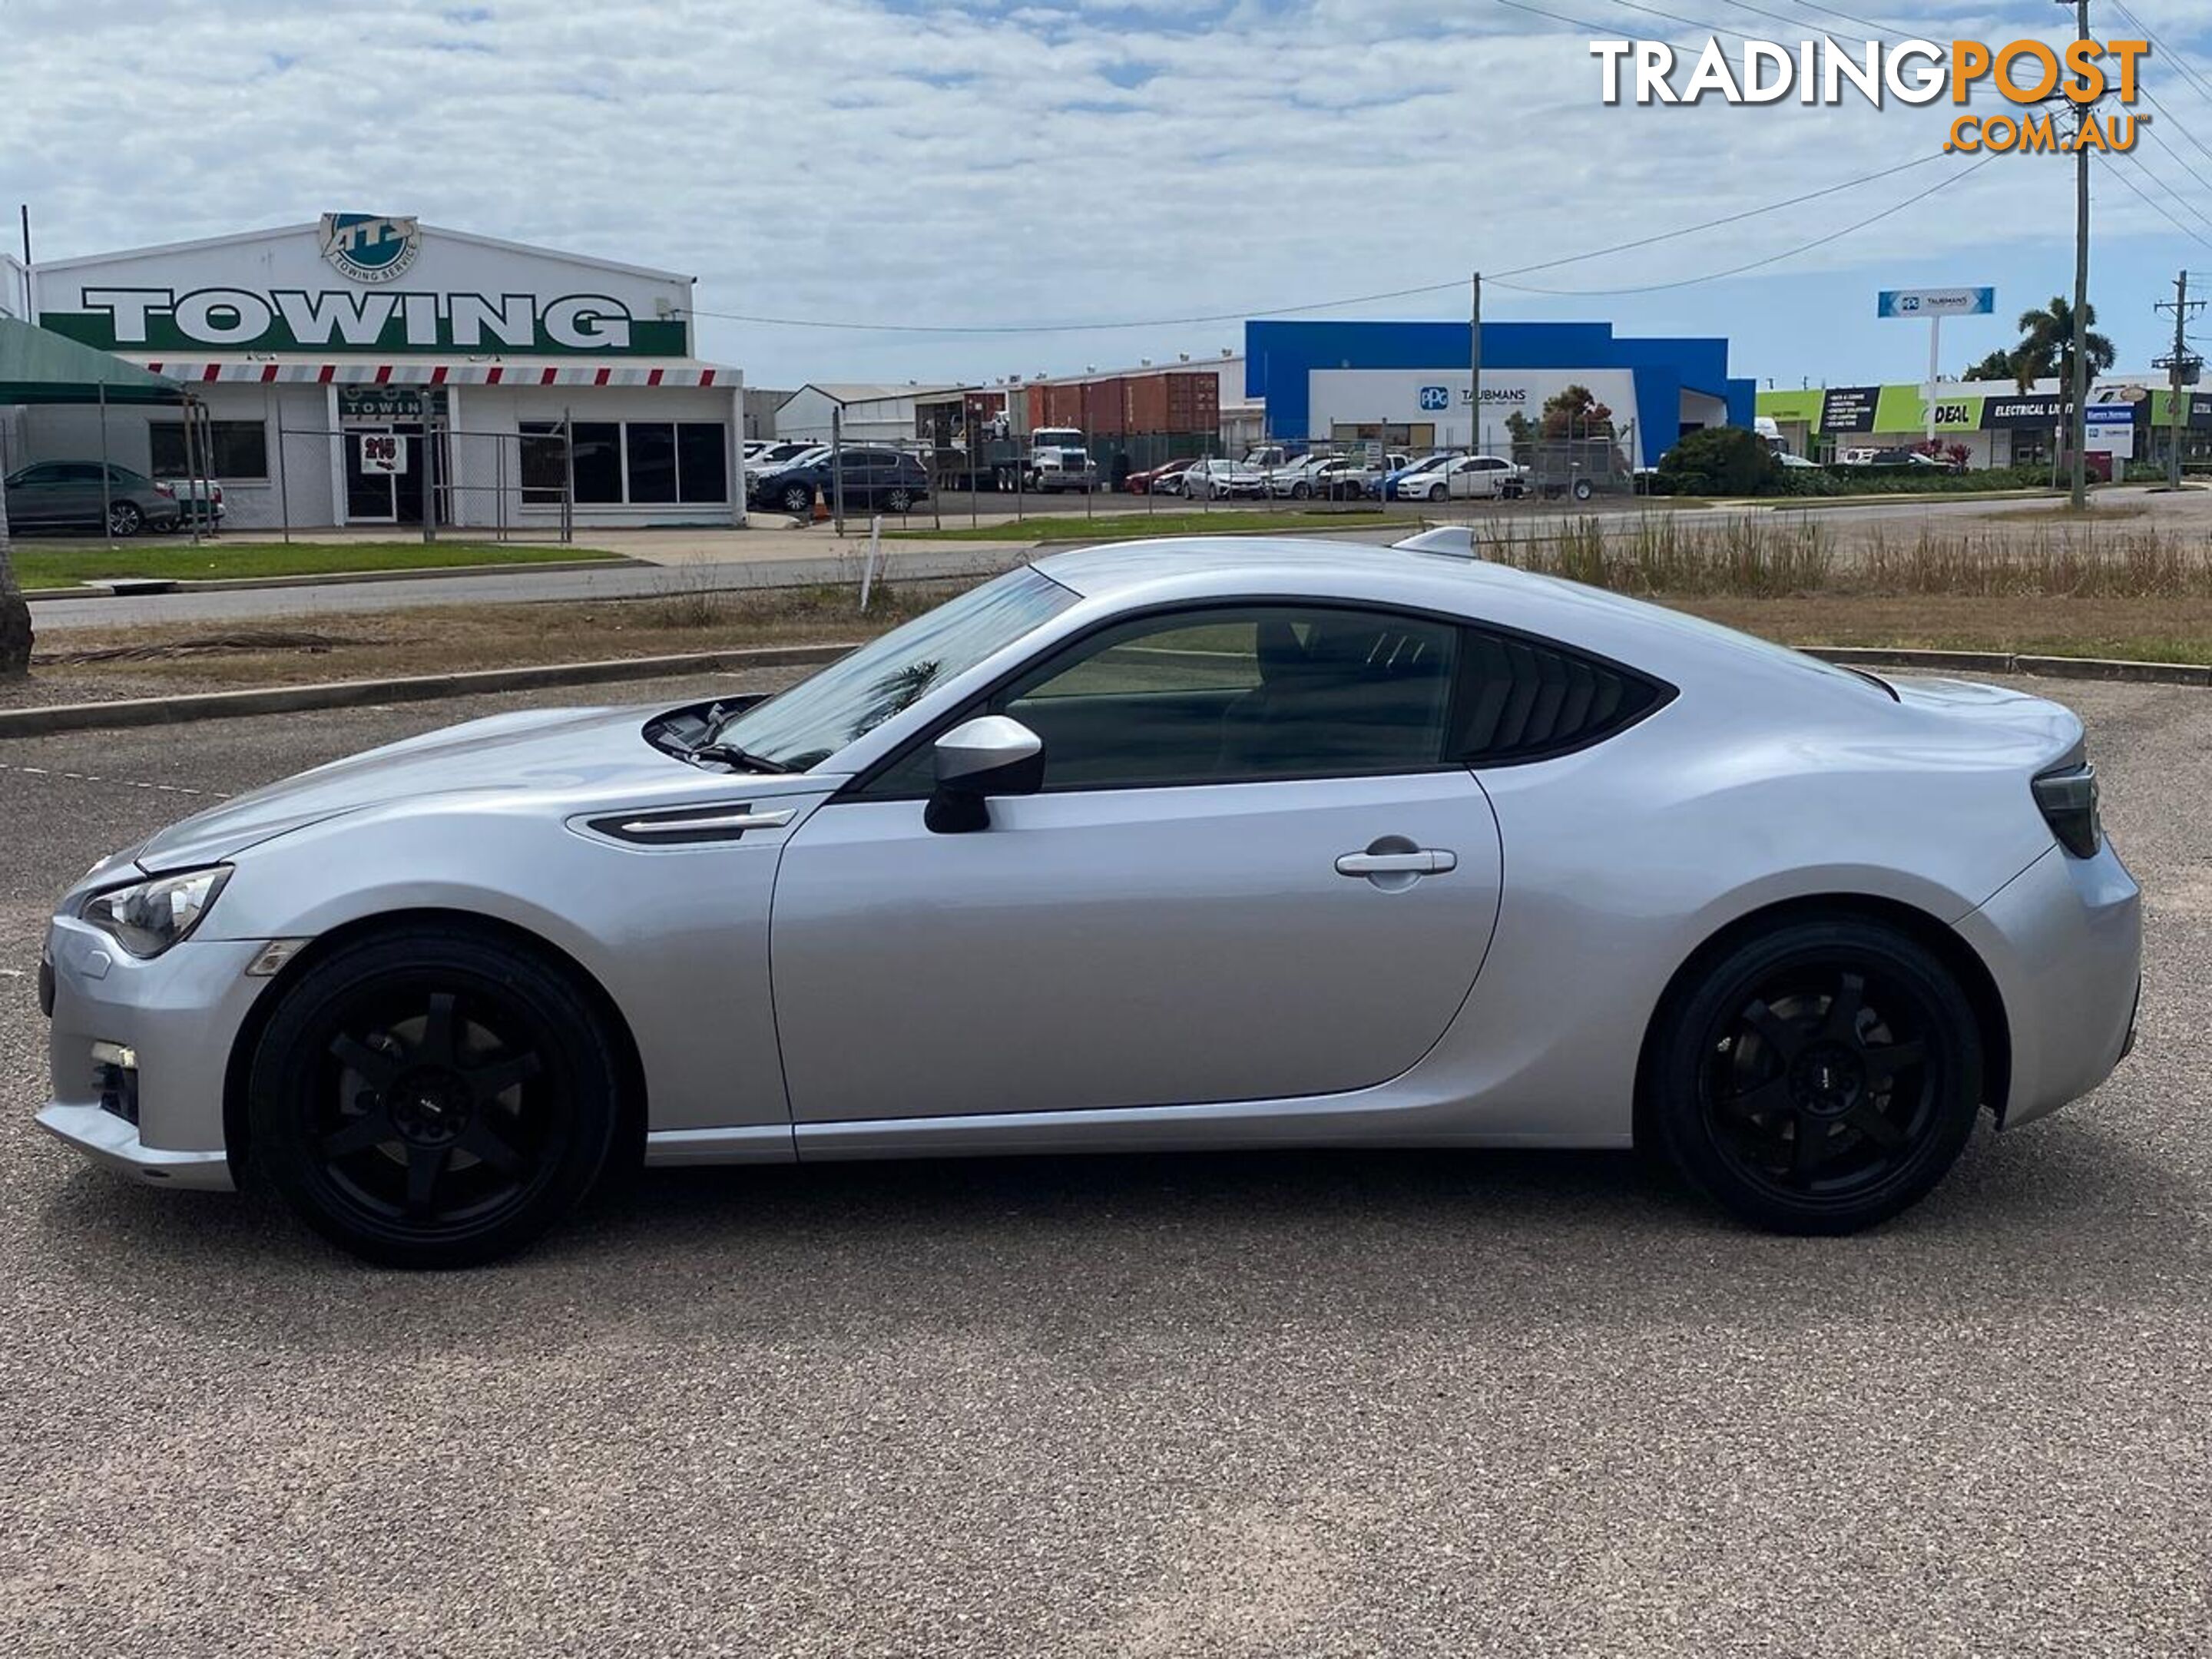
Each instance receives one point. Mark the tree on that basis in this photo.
(15, 614)
(1997, 365)
(2047, 344)
(1576, 413)
(1720, 460)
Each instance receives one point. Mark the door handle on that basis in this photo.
(1423, 861)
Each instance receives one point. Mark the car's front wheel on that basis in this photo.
(798, 500)
(433, 1097)
(899, 501)
(1818, 1079)
(1437, 492)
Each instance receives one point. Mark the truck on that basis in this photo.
(1057, 460)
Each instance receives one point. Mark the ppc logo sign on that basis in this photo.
(369, 248)
(1436, 396)
(1908, 304)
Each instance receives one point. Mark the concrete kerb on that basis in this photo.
(136, 585)
(354, 694)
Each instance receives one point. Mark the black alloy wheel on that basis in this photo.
(124, 518)
(433, 1098)
(1821, 1078)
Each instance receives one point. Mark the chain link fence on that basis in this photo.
(484, 485)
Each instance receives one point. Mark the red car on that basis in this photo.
(1160, 481)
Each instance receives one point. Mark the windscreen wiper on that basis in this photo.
(729, 755)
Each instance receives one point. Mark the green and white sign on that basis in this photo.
(360, 283)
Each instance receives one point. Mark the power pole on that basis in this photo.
(2182, 370)
(2078, 421)
(1475, 370)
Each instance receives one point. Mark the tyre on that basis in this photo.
(124, 518)
(1299, 492)
(1437, 492)
(899, 501)
(433, 1097)
(798, 500)
(1816, 1079)
(1584, 490)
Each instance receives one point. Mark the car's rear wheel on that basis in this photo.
(798, 499)
(124, 518)
(1818, 1079)
(433, 1098)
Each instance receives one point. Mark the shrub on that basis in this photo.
(1721, 460)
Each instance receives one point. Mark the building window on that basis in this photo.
(639, 462)
(238, 450)
(703, 461)
(544, 464)
(651, 449)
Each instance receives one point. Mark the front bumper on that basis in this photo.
(2064, 940)
(179, 1015)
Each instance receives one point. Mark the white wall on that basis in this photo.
(805, 419)
(483, 450)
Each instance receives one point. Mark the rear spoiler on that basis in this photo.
(1452, 541)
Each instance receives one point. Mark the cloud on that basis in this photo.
(913, 161)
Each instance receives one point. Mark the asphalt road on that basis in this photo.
(1290, 1404)
(911, 561)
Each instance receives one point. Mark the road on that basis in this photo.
(2191, 511)
(1294, 1404)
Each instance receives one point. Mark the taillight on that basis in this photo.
(165, 490)
(2067, 799)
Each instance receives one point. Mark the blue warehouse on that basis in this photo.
(1408, 383)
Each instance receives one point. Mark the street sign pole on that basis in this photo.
(1935, 371)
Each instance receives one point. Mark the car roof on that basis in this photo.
(1681, 648)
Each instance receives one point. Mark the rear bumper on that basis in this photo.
(2064, 940)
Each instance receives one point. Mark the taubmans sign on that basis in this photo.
(363, 282)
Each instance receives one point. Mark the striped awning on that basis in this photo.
(362, 371)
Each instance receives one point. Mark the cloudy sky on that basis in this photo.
(1049, 162)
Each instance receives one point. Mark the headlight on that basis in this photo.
(148, 917)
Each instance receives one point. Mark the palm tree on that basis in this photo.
(2047, 344)
(15, 614)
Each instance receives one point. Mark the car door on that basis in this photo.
(1251, 874)
(44, 495)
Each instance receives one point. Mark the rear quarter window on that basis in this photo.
(1519, 700)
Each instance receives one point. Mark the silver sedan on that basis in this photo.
(1187, 843)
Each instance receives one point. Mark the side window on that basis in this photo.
(1521, 699)
(1228, 696)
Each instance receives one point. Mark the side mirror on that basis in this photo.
(977, 759)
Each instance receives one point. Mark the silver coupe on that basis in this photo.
(1187, 843)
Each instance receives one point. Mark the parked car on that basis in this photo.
(1405, 482)
(1294, 478)
(887, 478)
(1217, 476)
(768, 454)
(1791, 462)
(1469, 477)
(1348, 477)
(67, 496)
(1163, 480)
(1351, 876)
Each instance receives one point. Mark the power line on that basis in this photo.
(2187, 70)
(2153, 203)
(1771, 258)
(1453, 284)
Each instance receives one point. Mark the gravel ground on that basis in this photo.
(1291, 1404)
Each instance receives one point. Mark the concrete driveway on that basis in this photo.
(1309, 1404)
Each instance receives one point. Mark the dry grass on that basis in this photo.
(1772, 556)
(154, 657)
(2134, 592)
